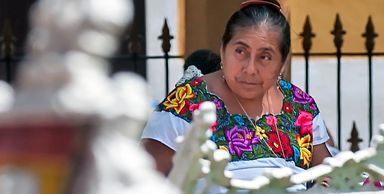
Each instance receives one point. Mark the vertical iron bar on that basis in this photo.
(306, 55)
(307, 44)
(338, 55)
(166, 46)
(338, 33)
(8, 68)
(134, 45)
(166, 58)
(135, 59)
(370, 97)
(370, 36)
(7, 48)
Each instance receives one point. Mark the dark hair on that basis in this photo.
(203, 59)
(256, 14)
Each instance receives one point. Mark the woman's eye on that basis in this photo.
(266, 57)
(239, 51)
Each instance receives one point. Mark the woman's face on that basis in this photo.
(252, 61)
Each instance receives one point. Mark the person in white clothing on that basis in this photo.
(263, 121)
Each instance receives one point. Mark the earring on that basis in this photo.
(221, 65)
(279, 78)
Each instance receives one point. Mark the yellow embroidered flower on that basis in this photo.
(260, 132)
(177, 98)
(305, 146)
(223, 148)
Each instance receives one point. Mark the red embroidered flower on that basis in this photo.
(193, 107)
(178, 99)
(213, 127)
(304, 121)
(185, 108)
(284, 149)
(196, 82)
(287, 107)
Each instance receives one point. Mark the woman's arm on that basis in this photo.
(320, 152)
(161, 153)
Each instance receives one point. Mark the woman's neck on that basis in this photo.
(270, 102)
(250, 107)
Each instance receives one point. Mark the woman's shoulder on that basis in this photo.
(184, 98)
(296, 96)
(189, 74)
(296, 92)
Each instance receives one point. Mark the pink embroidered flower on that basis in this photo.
(271, 120)
(304, 121)
(240, 140)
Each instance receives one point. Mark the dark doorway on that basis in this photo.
(14, 26)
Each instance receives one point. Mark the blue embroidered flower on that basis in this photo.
(239, 120)
(296, 154)
(225, 121)
(213, 138)
(285, 85)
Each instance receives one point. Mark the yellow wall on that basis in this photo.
(353, 14)
(205, 21)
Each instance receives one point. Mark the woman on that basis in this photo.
(263, 121)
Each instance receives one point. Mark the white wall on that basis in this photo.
(156, 11)
(354, 93)
(322, 77)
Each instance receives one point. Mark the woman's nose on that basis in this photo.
(251, 67)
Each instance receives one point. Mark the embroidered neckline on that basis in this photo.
(281, 112)
(234, 132)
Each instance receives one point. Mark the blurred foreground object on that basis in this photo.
(69, 128)
(197, 158)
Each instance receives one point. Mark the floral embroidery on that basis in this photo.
(287, 107)
(223, 148)
(301, 97)
(194, 107)
(285, 85)
(284, 149)
(260, 133)
(218, 103)
(239, 137)
(213, 127)
(271, 121)
(177, 99)
(196, 82)
(240, 140)
(239, 120)
(305, 146)
(304, 121)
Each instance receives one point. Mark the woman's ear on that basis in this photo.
(221, 53)
(282, 70)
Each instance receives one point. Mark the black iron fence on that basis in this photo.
(9, 59)
(338, 32)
